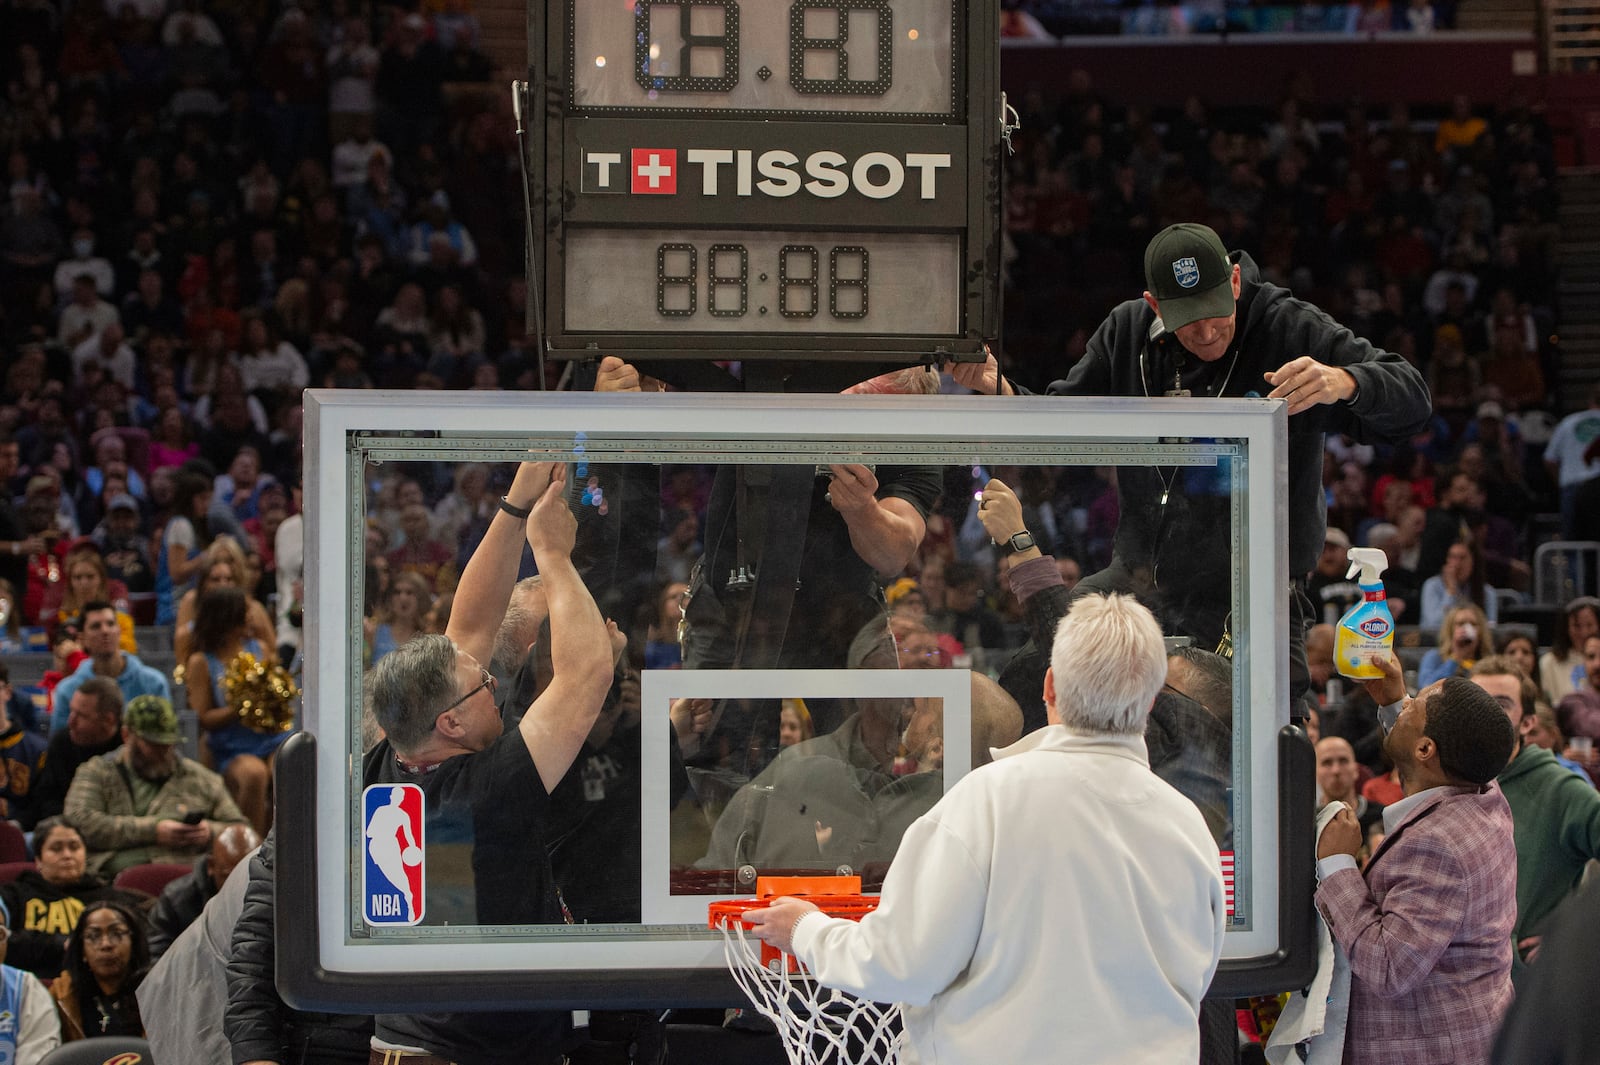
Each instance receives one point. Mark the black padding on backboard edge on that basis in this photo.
(1291, 966)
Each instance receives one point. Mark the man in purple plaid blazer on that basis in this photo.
(1427, 926)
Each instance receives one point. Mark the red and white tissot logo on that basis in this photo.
(655, 170)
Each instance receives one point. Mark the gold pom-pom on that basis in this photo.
(261, 694)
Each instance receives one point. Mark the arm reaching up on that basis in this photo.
(580, 648)
(486, 582)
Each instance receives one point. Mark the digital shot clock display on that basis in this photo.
(747, 179)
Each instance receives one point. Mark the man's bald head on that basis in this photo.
(996, 718)
(229, 849)
(1337, 771)
(1319, 652)
(996, 722)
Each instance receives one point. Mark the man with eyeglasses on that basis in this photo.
(1557, 813)
(484, 787)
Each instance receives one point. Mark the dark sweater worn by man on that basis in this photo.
(1173, 544)
(61, 761)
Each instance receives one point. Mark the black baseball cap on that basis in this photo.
(1186, 269)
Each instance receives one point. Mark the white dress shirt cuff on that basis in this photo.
(1326, 867)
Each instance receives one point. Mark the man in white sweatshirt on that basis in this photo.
(1060, 904)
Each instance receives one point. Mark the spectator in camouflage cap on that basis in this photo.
(146, 801)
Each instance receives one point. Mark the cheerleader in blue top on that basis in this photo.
(241, 754)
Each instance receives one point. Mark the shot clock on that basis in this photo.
(749, 179)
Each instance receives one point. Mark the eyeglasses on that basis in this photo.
(488, 682)
(114, 934)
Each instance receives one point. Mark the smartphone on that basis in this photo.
(194, 817)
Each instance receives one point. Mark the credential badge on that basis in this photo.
(1187, 271)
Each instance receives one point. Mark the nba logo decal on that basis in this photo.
(1187, 271)
(391, 869)
(655, 171)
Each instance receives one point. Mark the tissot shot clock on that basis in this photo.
(747, 179)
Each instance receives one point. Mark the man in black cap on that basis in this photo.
(1208, 326)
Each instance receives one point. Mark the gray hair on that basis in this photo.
(1207, 679)
(371, 731)
(520, 626)
(1382, 535)
(1109, 661)
(410, 687)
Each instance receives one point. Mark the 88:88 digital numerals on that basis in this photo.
(728, 268)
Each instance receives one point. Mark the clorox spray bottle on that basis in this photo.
(1367, 628)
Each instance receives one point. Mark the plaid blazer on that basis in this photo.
(1427, 929)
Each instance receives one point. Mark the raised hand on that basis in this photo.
(614, 375)
(1391, 687)
(1000, 511)
(552, 529)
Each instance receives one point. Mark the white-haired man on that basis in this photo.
(1065, 856)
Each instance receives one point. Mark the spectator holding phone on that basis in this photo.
(146, 802)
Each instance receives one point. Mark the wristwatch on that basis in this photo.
(520, 513)
(1020, 542)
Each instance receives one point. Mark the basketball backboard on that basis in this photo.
(799, 729)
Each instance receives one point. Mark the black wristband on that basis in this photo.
(520, 513)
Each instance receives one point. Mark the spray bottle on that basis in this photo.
(1367, 628)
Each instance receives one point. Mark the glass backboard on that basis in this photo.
(779, 706)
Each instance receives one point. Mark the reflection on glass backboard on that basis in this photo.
(825, 779)
(788, 695)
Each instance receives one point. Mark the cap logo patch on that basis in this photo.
(1187, 271)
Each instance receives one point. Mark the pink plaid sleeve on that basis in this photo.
(1394, 944)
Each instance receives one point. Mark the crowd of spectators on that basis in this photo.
(1044, 20)
(1432, 236)
(210, 207)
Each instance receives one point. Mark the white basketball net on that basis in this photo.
(819, 1025)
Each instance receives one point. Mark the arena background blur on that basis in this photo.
(212, 206)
